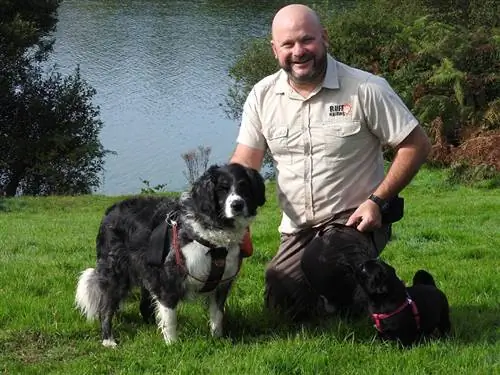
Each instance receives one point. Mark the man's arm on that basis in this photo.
(248, 156)
(410, 155)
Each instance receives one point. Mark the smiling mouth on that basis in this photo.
(301, 62)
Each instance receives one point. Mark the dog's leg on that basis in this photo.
(217, 301)
(108, 309)
(216, 316)
(115, 291)
(147, 305)
(165, 290)
(167, 322)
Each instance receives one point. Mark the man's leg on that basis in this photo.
(287, 291)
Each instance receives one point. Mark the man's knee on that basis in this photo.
(287, 296)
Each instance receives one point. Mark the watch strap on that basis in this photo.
(381, 203)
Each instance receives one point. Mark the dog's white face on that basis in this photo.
(235, 205)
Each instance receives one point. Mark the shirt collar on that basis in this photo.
(331, 80)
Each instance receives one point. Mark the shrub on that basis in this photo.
(196, 162)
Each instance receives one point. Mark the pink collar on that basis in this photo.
(408, 301)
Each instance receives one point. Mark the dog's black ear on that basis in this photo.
(203, 192)
(258, 186)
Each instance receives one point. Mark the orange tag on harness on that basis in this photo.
(246, 246)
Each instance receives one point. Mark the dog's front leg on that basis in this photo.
(217, 301)
(167, 322)
(216, 316)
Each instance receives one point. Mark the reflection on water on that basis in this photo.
(160, 71)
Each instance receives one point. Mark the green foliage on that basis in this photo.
(257, 62)
(49, 128)
(26, 25)
(148, 189)
(50, 136)
(442, 58)
(482, 176)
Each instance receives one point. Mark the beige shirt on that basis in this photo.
(327, 148)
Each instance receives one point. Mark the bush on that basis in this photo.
(196, 163)
(441, 58)
(483, 176)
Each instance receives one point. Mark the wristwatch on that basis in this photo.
(381, 203)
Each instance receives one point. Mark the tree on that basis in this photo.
(49, 128)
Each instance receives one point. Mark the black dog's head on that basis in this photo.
(224, 194)
(378, 279)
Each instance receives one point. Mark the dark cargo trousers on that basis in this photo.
(315, 265)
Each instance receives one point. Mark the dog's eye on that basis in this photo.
(242, 185)
(223, 187)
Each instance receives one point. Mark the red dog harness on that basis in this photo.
(377, 318)
(218, 262)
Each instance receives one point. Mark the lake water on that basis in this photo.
(160, 69)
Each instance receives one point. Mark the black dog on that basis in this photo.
(329, 263)
(172, 248)
(400, 313)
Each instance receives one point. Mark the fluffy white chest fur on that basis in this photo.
(198, 264)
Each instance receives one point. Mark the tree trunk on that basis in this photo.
(11, 188)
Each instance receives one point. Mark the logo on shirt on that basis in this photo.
(340, 109)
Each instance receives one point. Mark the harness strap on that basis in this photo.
(377, 318)
(159, 245)
(217, 267)
(217, 264)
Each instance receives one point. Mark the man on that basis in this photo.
(325, 124)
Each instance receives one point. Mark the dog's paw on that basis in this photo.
(216, 330)
(109, 343)
(169, 337)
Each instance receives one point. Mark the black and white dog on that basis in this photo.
(172, 248)
(405, 314)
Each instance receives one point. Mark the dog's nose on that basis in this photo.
(237, 205)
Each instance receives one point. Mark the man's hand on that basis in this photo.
(367, 217)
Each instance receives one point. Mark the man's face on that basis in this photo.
(301, 52)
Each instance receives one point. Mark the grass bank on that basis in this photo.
(452, 231)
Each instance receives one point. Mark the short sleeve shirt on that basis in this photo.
(327, 148)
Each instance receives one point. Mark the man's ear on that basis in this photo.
(273, 47)
(324, 35)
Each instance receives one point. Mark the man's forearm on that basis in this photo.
(410, 156)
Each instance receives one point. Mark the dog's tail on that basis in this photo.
(88, 294)
(423, 278)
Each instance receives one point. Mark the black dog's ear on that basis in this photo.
(258, 186)
(203, 192)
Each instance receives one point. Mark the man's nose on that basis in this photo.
(298, 49)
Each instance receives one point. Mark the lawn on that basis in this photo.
(452, 231)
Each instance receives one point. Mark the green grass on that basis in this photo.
(452, 231)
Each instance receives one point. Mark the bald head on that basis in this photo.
(295, 15)
(299, 43)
